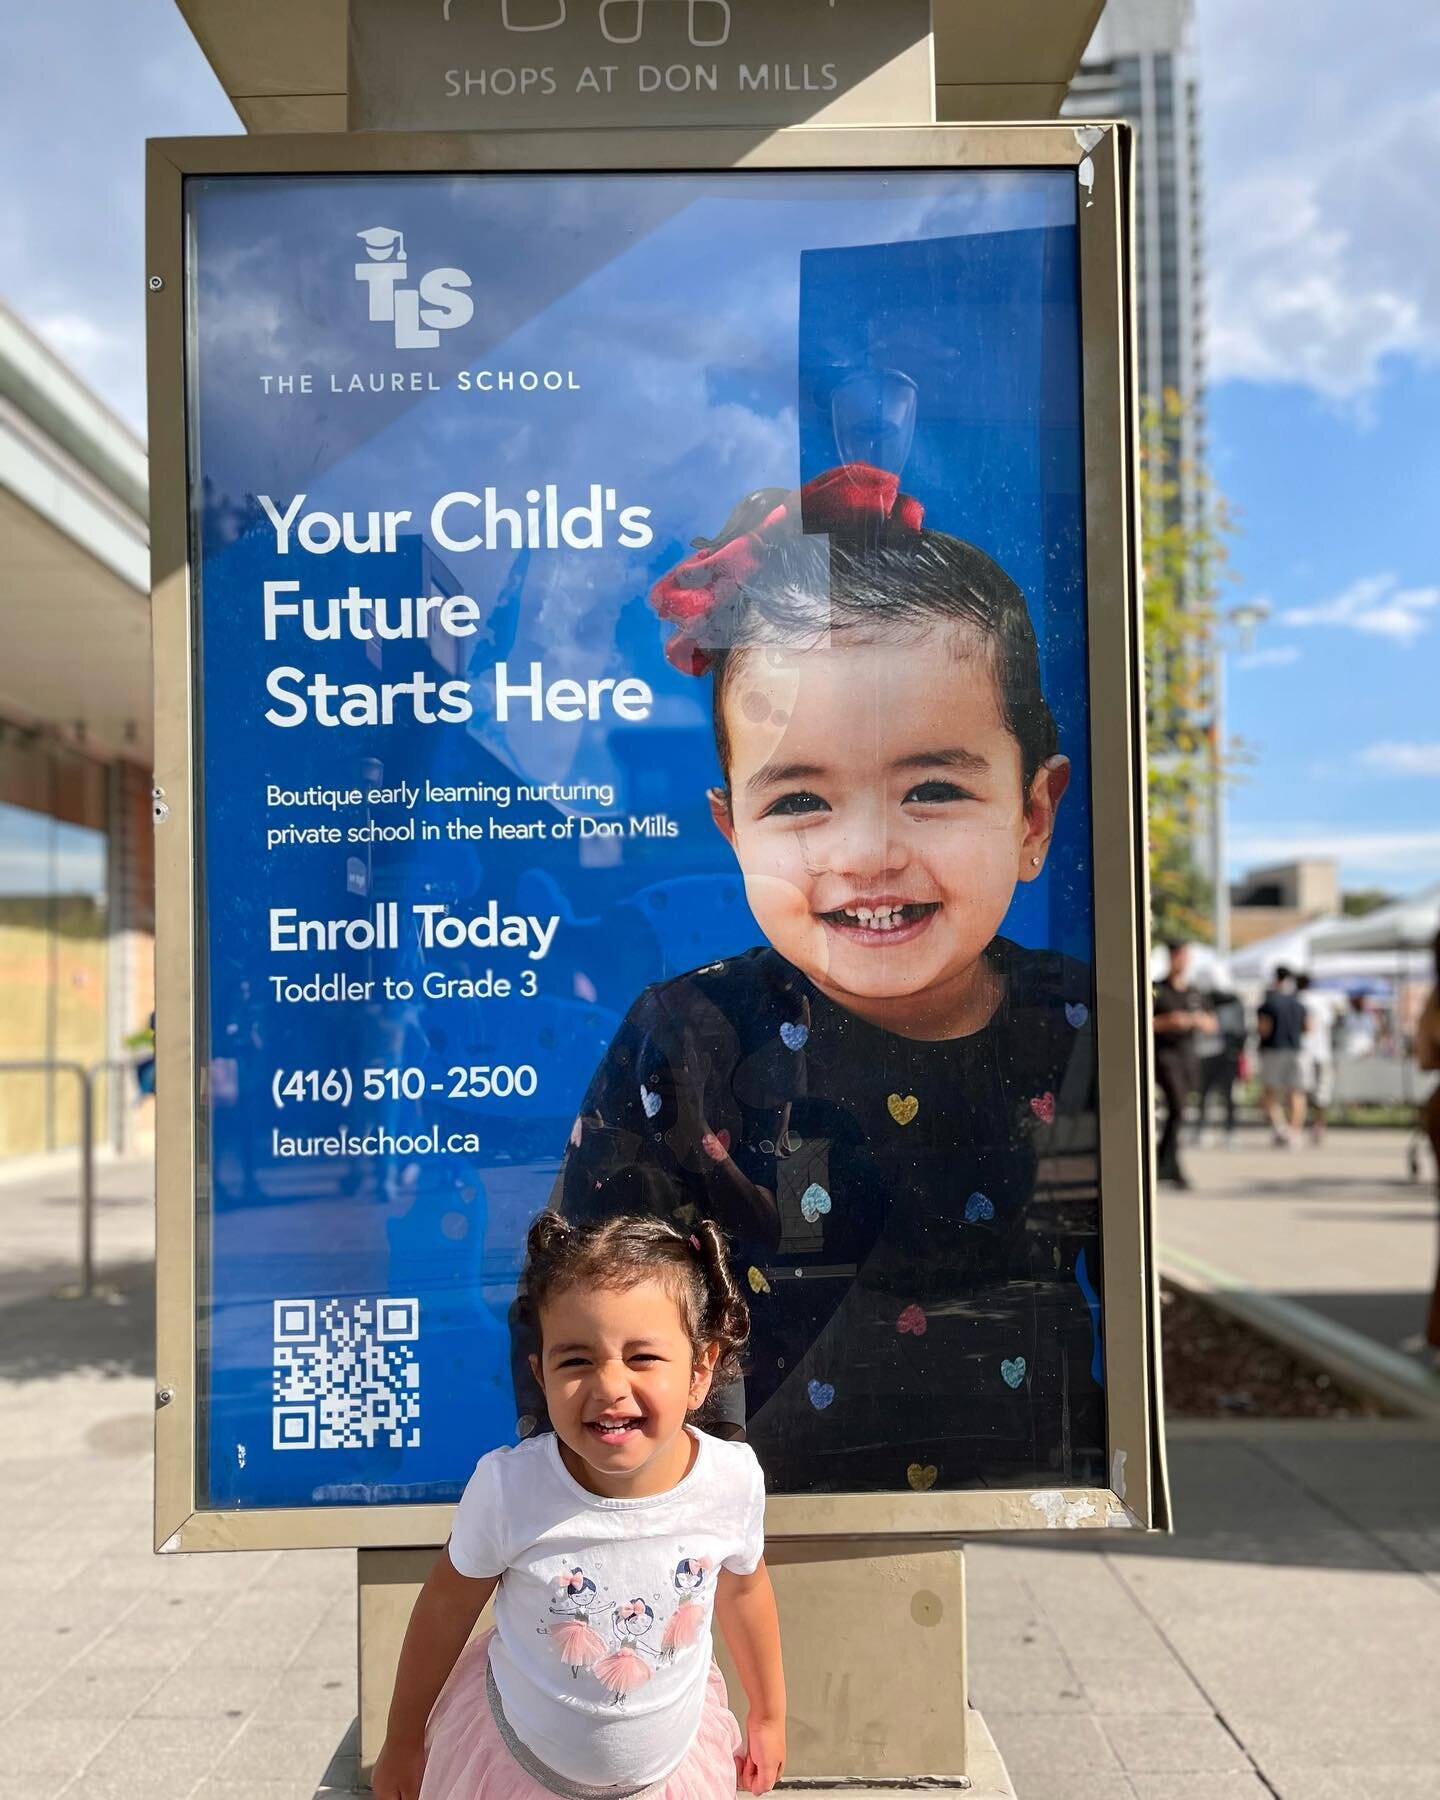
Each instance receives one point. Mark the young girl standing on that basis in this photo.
(611, 1543)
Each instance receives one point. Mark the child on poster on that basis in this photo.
(888, 1104)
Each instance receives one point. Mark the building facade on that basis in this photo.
(1141, 65)
(76, 855)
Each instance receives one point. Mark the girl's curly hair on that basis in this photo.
(625, 1249)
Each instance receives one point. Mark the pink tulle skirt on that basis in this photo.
(467, 1759)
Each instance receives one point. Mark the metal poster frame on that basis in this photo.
(1099, 155)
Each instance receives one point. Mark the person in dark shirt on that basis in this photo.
(1281, 1024)
(1178, 1013)
(889, 1107)
(1426, 1048)
(1220, 1054)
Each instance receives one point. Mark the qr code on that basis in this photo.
(346, 1374)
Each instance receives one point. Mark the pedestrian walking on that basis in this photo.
(1178, 1013)
(1427, 1054)
(1221, 1051)
(1358, 1031)
(1317, 1055)
(1281, 1025)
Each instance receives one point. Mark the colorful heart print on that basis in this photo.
(922, 1476)
(814, 1203)
(903, 1108)
(821, 1393)
(1043, 1107)
(716, 1145)
(650, 1101)
(912, 1322)
(1076, 1013)
(1012, 1371)
(758, 1283)
(979, 1208)
(794, 1037)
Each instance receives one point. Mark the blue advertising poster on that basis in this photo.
(643, 764)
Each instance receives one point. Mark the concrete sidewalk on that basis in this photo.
(1283, 1642)
(1334, 1239)
(126, 1676)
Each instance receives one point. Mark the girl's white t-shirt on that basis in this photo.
(602, 1617)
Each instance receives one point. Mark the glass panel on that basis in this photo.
(474, 937)
(53, 935)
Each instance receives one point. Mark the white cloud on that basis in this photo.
(1376, 605)
(1323, 220)
(34, 870)
(1280, 657)
(1360, 853)
(74, 335)
(1402, 759)
(82, 84)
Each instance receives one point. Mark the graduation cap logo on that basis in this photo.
(383, 243)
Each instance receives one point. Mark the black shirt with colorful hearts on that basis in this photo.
(916, 1223)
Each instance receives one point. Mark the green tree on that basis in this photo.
(1359, 901)
(1186, 563)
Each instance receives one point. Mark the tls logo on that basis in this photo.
(417, 326)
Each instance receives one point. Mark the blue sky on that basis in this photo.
(1322, 136)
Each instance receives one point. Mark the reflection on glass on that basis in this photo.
(854, 1021)
(53, 942)
(874, 416)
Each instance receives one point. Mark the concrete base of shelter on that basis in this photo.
(875, 1662)
(988, 1778)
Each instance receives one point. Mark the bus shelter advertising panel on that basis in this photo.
(642, 754)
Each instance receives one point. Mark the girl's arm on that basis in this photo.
(439, 1628)
(745, 1608)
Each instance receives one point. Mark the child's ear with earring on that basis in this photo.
(702, 1374)
(720, 813)
(1042, 804)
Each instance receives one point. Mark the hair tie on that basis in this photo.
(695, 1242)
(854, 499)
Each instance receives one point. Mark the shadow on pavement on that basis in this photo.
(1339, 1497)
(1386, 1316)
(1285, 1187)
(343, 1774)
(41, 1336)
(1368, 1215)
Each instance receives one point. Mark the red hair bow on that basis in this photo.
(855, 499)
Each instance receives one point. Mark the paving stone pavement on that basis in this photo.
(123, 1675)
(1338, 1228)
(1284, 1642)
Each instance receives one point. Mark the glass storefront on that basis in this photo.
(54, 934)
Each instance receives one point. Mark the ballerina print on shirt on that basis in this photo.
(574, 1601)
(686, 1624)
(625, 1668)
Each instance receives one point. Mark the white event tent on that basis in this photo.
(1403, 925)
(1392, 944)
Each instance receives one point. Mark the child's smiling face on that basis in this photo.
(881, 820)
(620, 1375)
